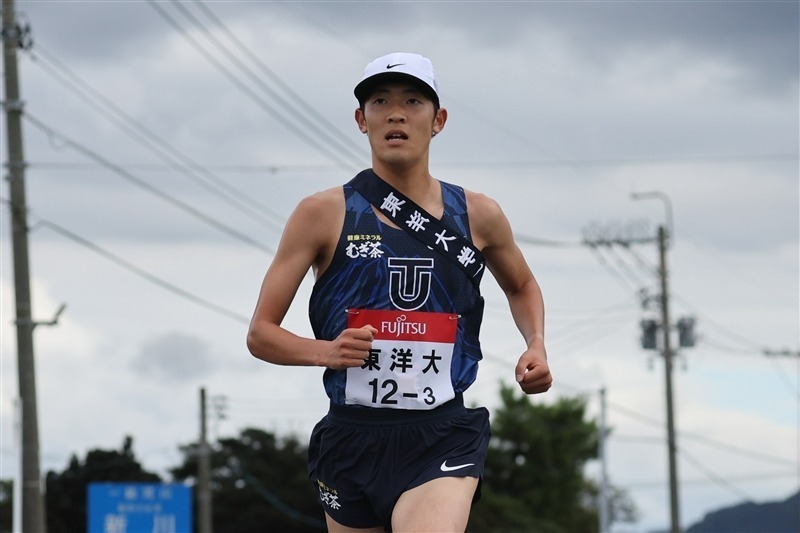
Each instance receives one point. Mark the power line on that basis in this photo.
(730, 487)
(741, 338)
(608, 324)
(629, 271)
(202, 302)
(260, 168)
(152, 278)
(728, 349)
(317, 117)
(350, 166)
(628, 276)
(751, 454)
(236, 465)
(535, 241)
(183, 206)
(659, 484)
(296, 113)
(644, 265)
(233, 168)
(625, 281)
(619, 308)
(623, 161)
(174, 158)
(693, 436)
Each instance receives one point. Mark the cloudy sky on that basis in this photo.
(168, 142)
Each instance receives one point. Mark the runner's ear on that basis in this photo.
(361, 120)
(439, 120)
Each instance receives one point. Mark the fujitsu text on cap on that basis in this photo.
(399, 65)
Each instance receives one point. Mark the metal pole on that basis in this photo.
(204, 473)
(32, 494)
(675, 526)
(603, 500)
(665, 237)
(16, 512)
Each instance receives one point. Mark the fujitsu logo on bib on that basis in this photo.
(406, 326)
(400, 327)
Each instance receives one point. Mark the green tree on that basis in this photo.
(258, 483)
(67, 491)
(533, 479)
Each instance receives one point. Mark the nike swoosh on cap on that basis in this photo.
(395, 65)
(446, 468)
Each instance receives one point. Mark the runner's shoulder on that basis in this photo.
(322, 207)
(318, 218)
(485, 217)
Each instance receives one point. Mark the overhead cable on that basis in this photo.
(301, 106)
(174, 158)
(351, 165)
(152, 278)
(623, 280)
(258, 168)
(183, 206)
(730, 487)
(729, 332)
(535, 241)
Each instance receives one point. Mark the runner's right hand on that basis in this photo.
(351, 348)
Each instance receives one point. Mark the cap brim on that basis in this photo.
(367, 86)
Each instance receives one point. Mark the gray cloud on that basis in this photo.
(174, 356)
(762, 35)
(93, 31)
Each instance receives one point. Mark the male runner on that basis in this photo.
(396, 318)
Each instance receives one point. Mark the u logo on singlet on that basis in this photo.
(409, 281)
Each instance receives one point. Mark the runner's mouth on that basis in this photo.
(396, 136)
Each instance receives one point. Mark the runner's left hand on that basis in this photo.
(532, 371)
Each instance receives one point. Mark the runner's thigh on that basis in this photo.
(442, 504)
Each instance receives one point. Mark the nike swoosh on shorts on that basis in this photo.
(446, 468)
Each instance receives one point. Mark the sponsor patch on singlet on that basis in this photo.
(409, 364)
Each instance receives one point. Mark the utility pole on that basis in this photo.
(668, 355)
(603, 499)
(664, 234)
(203, 472)
(625, 236)
(32, 498)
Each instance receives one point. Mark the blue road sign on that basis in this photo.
(139, 508)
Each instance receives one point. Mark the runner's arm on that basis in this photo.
(492, 232)
(305, 239)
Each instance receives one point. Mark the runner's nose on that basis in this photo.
(397, 115)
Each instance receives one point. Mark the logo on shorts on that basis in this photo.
(446, 468)
(328, 496)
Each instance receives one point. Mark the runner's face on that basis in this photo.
(399, 120)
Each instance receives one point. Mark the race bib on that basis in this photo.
(409, 364)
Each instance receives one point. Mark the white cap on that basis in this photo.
(399, 63)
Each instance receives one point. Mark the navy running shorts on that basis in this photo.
(361, 459)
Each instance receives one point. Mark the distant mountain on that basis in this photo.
(771, 517)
